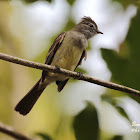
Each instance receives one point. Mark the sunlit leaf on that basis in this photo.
(86, 125)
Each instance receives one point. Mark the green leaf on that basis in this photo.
(116, 64)
(115, 103)
(118, 137)
(125, 67)
(44, 136)
(108, 98)
(71, 2)
(86, 125)
(122, 112)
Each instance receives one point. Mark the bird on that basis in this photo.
(67, 52)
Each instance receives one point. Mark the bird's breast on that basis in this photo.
(67, 57)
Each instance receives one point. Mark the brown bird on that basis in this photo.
(67, 51)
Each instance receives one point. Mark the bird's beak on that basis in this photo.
(99, 32)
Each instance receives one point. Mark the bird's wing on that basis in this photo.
(55, 46)
(61, 84)
(84, 55)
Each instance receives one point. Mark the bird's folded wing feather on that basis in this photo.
(55, 46)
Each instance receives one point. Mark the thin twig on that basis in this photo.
(68, 73)
(11, 132)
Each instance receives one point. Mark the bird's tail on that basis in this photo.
(28, 101)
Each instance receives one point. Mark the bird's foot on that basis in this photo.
(57, 68)
(80, 74)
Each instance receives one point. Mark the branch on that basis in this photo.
(11, 132)
(68, 73)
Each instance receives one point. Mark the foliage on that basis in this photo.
(71, 2)
(86, 125)
(117, 138)
(115, 103)
(125, 68)
(123, 65)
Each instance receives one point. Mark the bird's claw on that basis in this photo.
(80, 74)
(57, 68)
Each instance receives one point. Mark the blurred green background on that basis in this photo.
(82, 111)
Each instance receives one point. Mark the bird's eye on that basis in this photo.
(91, 25)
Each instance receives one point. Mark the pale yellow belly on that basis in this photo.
(65, 58)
